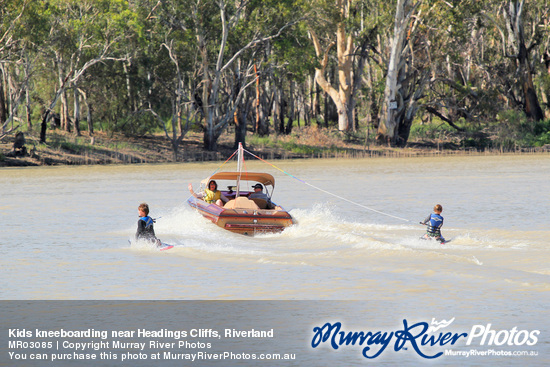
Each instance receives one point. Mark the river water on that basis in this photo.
(66, 230)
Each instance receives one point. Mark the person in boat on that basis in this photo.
(211, 194)
(434, 222)
(145, 230)
(260, 194)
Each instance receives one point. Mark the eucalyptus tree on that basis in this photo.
(258, 31)
(458, 86)
(522, 26)
(284, 65)
(81, 34)
(15, 64)
(405, 80)
(436, 65)
(328, 29)
(236, 33)
(171, 48)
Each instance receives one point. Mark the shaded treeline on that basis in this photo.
(269, 65)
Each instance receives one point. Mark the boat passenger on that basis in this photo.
(259, 194)
(211, 194)
(434, 222)
(145, 230)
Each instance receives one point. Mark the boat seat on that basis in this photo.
(262, 203)
(241, 202)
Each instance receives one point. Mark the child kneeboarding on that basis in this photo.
(145, 230)
(434, 222)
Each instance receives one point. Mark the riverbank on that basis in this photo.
(67, 149)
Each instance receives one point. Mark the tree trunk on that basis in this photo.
(326, 114)
(76, 111)
(546, 93)
(88, 113)
(393, 106)
(240, 123)
(266, 102)
(64, 113)
(291, 109)
(28, 95)
(89, 119)
(210, 140)
(514, 18)
(282, 108)
(131, 100)
(28, 108)
(276, 110)
(405, 82)
(316, 104)
(44, 126)
(344, 50)
(532, 106)
(257, 100)
(3, 111)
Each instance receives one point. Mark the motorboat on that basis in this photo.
(241, 213)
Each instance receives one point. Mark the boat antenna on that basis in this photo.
(239, 168)
(327, 192)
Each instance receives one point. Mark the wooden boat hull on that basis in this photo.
(244, 221)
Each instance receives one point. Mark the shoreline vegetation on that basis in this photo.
(115, 82)
(101, 148)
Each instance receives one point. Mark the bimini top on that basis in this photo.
(264, 178)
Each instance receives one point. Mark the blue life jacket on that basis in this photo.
(434, 225)
(148, 221)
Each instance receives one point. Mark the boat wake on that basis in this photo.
(320, 232)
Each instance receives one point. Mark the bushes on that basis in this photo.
(307, 140)
(513, 129)
(435, 130)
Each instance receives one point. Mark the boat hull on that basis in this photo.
(244, 221)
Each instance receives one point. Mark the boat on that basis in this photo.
(241, 214)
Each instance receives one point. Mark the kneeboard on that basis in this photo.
(433, 239)
(164, 246)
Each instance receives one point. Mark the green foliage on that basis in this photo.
(476, 139)
(470, 74)
(292, 144)
(434, 130)
(513, 128)
(306, 141)
(137, 124)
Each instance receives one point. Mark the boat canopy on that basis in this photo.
(264, 178)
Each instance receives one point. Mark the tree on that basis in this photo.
(218, 112)
(12, 52)
(344, 42)
(515, 47)
(82, 35)
(404, 82)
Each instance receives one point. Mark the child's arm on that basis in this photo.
(426, 220)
